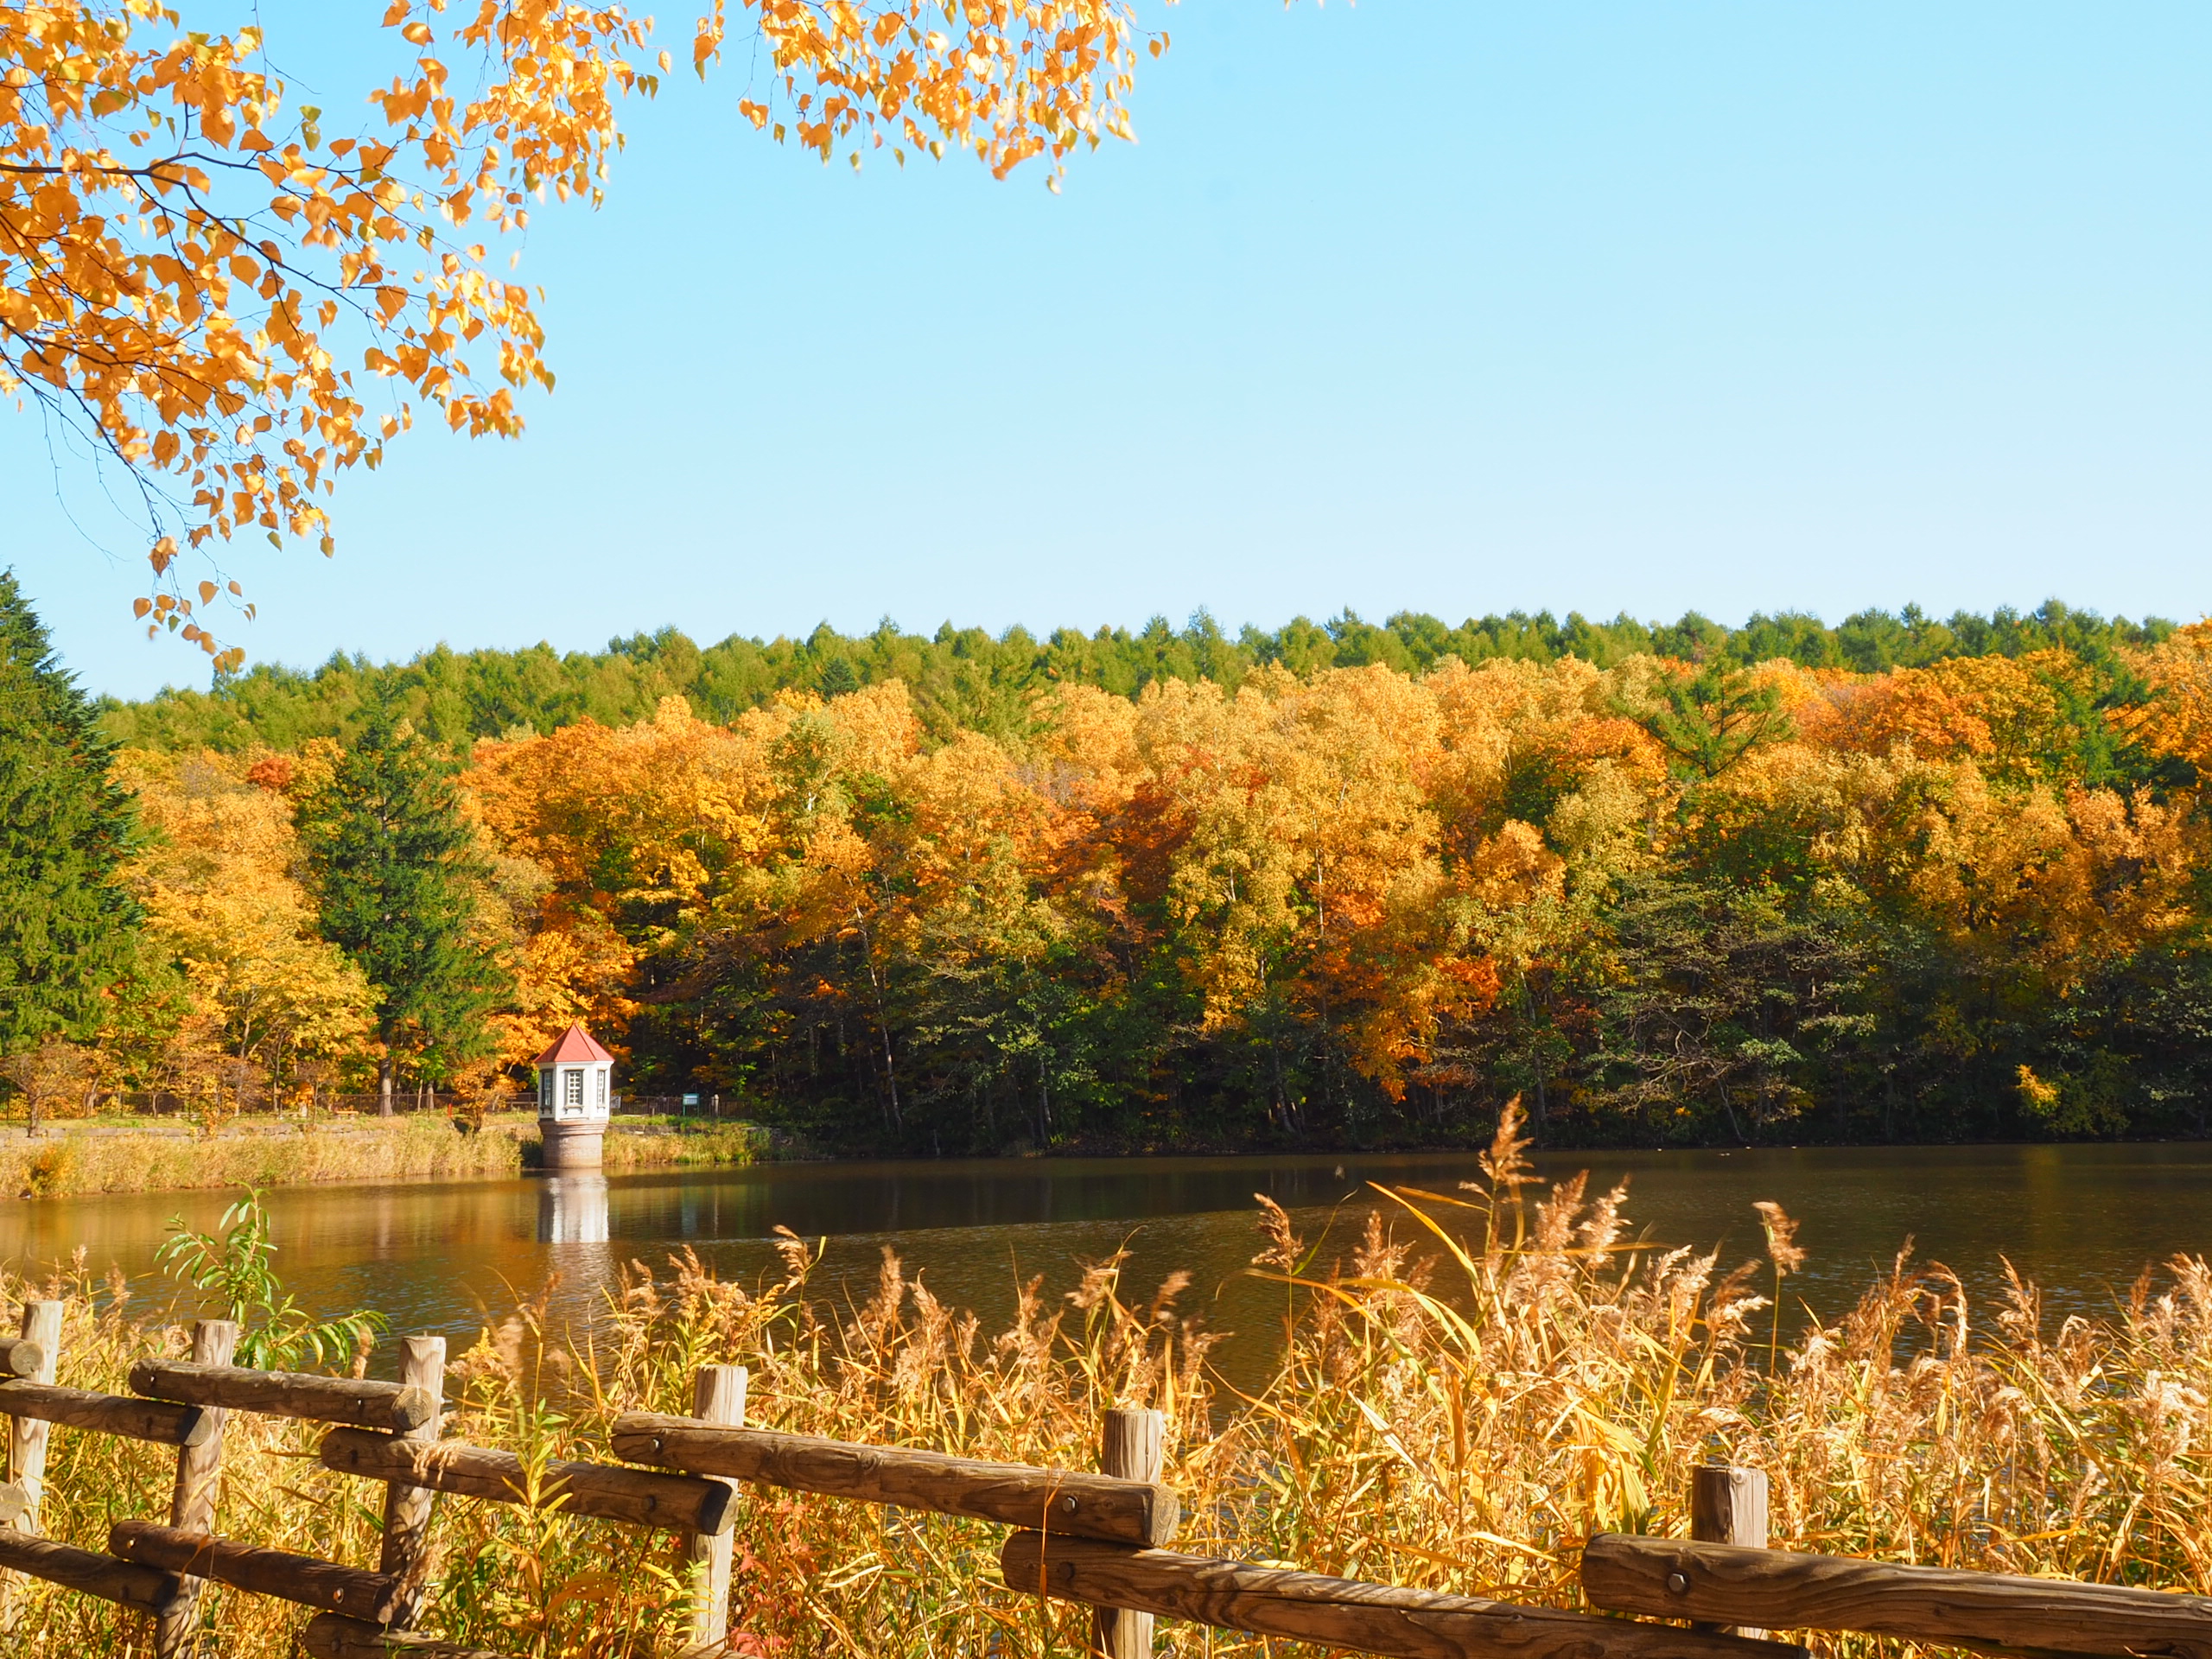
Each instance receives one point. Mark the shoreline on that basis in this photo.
(103, 1160)
(73, 1158)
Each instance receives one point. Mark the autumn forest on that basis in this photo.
(1341, 883)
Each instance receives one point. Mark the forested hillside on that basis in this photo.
(1897, 879)
(965, 679)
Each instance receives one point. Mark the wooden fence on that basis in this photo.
(1098, 1539)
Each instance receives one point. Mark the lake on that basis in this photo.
(2082, 1220)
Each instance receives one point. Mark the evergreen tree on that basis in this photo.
(67, 924)
(1709, 723)
(395, 872)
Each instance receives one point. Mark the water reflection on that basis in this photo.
(572, 1210)
(2082, 1220)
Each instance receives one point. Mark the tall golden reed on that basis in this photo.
(1477, 1386)
(422, 1147)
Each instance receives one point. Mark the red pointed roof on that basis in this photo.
(575, 1044)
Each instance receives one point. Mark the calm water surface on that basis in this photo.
(2081, 1220)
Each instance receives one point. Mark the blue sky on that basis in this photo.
(1416, 304)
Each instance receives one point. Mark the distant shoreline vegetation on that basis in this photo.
(1337, 885)
(421, 1146)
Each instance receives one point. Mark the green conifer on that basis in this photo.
(67, 927)
(397, 876)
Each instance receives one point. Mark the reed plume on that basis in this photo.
(1457, 1405)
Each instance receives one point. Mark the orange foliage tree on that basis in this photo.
(1358, 904)
(236, 306)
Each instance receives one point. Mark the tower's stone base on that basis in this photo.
(570, 1146)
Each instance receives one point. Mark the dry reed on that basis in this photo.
(1475, 1388)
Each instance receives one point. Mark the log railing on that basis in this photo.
(1098, 1539)
(1724, 1575)
(385, 1431)
(1012, 1494)
(1674, 1578)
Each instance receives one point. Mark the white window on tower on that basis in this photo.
(572, 1091)
(545, 1089)
(602, 1088)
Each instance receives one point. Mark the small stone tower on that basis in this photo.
(575, 1078)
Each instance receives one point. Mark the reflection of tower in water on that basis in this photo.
(572, 1210)
(574, 1253)
(575, 1099)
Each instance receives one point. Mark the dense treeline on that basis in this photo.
(966, 680)
(1170, 889)
(1659, 901)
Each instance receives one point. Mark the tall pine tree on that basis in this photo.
(395, 873)
(68, 927)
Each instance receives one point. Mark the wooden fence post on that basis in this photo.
(406, 1553)
(718, 1396)
(27, 1438)
(1728, 1506)
(199, 1478)
(1135, 1448)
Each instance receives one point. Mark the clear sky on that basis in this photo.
(1418, 304)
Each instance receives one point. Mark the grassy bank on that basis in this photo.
(1475, 1389)
(729, 1145)
(424, 1147)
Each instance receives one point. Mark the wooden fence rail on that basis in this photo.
(1012, 1494)
(156, 1421)
(303, 1578)
(385, 1431)
(1344, 1613)
(1672, 1578)
(1093, 1538)
(147, 1589)
(355, 1401)
(641, 1497)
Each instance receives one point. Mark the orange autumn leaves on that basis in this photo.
(1007, 78)
(1299, 899)
(178, 245)
(1286, 831)
(237, 308)
(648, 835)
(2177, 720)
(1380, 859)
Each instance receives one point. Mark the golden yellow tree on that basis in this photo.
(2000, 711)
(2177, 720)
(220, 893)
(237, 305)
